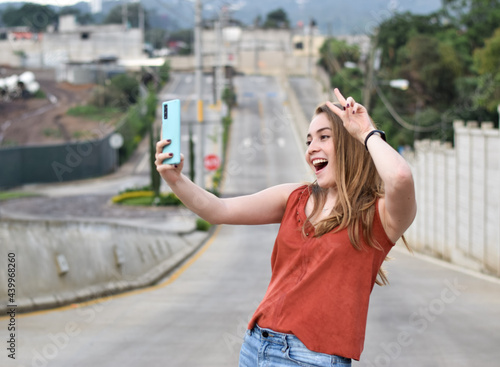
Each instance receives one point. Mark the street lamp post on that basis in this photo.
(200, 128)
(401, 84)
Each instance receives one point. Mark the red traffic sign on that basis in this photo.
(211, 162)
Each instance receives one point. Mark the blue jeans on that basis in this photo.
(267, 348)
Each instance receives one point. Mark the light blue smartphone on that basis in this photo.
(171, 129)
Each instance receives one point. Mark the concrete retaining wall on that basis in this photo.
(458, 197)
(60, 262)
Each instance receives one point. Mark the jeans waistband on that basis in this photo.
(275, 337)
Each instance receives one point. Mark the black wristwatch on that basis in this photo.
(379, 132)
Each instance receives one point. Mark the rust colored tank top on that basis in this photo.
(320, 287)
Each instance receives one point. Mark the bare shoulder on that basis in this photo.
(264, 207)
(284, 190)
(278, 194)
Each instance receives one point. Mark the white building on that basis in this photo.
(72, 42)
(75, 43)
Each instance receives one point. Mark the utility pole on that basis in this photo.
(256, 56)
(200, 127)
(125, 15)
(373, 65)
(312, 24)
(140, 10)
(367, 90)
(218, 69)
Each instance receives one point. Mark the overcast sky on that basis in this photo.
(48, 2)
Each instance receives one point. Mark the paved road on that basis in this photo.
(430, 315)
(200, 318)
(309, 93)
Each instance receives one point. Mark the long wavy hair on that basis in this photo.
(359, 186)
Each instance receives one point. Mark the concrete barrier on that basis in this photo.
(458, 197)
(61, 262)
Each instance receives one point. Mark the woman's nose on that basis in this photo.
(312, 147)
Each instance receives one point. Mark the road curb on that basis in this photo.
(160, 253)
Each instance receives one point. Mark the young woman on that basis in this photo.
(334, 235)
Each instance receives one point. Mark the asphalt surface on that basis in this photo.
(432, 314)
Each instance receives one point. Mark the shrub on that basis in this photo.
(92, 112)
(128, 88)
(145, 197)
(202, 225)
(165, 72)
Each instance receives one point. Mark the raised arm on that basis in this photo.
(264, 207)
(398, 207)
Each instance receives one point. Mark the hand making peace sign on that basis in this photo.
(354, 116)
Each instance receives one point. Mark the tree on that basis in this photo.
(479, 18)
(183, 37)
(395, 32)
(340, 50)
(115, 16)
(156, 37)
(431, 68)
(36, 17)
(486, 61)
(81, 18)
(334, 54)
(257, 22)
(277, 19)
(127, 87)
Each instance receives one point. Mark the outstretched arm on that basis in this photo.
(398, 207)
(264, 207)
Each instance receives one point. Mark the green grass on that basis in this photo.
(8, 195)
(40, 94)
(105, 114)
(51, 132)
(144, 200)
(9, 143)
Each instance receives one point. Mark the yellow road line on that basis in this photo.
(167, 282)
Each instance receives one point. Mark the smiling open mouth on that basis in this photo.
(319, 164)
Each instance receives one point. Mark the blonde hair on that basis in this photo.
(359, 186)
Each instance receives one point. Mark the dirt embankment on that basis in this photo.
(40, 121)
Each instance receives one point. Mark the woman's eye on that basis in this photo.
(308, 143)
(323, 137)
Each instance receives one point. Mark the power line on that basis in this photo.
(400, 120)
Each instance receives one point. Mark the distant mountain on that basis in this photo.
(332, 16)
(335, 16)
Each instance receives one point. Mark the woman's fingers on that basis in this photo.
(160, 158)
(162, 144)
(339, 96)
(159, 155)
(335, 109)
(355, 107)
(349, 102)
